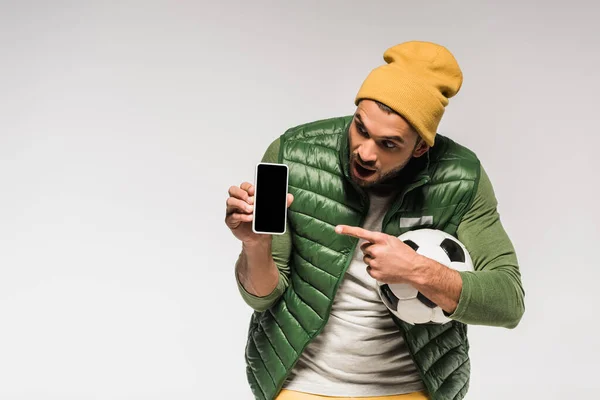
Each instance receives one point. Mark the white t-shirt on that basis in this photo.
(361, 351)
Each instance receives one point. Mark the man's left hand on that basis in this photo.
(388, 259)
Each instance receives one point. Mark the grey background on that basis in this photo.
(122, 125)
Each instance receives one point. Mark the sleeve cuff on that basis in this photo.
(465, 296)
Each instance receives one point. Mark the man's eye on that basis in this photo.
(388, 144)
(361, 130)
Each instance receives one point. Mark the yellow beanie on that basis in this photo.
(416, 82)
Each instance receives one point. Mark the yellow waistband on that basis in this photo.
(293, 395)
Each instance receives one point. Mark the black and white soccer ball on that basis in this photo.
(403, 300)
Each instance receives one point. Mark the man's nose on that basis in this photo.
(367, 152)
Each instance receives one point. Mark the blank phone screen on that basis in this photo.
(270, 202)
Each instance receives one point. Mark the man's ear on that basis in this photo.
(420, 149)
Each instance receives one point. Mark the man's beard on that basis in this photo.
(382, 180)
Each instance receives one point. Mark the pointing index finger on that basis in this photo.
(357, 232)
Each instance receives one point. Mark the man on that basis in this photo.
(356, 184)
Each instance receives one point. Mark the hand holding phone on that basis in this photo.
(239, 216)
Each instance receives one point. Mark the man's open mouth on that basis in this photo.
(362, 172)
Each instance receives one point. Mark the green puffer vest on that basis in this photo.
(436, 197)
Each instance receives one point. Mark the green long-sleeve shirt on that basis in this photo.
(491, 295)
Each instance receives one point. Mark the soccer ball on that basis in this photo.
(403, 300)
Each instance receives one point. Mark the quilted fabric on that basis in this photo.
(317, 155)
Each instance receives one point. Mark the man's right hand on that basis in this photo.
(239, 213)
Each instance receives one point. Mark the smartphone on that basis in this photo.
(270, 198)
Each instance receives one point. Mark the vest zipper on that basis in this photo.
(337, 285)
(396, 206)
(392, 211)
